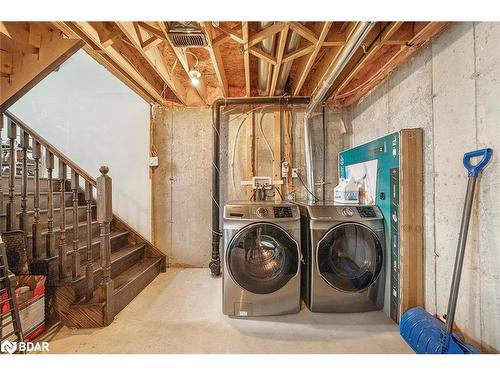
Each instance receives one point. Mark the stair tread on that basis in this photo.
(97, 240)
(126, 251)
(132, 273)
(116, 256)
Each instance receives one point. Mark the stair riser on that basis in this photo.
(124, 263)
(126, 295)
(117, 267)
(116, 244)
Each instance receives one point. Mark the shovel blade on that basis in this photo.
(425, 335)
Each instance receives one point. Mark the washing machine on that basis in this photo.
(261, 262)
(344, 252)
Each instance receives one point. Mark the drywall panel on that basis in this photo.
(95, 120)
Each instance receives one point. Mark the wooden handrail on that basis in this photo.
(50, 147)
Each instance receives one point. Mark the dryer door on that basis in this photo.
(262, 258)
(349, 257)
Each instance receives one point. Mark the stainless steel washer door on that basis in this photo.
(262, 258)
(349, 257)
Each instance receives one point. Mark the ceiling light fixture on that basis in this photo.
(194, 74)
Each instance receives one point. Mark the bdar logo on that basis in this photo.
(8, 347)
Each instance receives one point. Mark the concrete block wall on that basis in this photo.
(451, 89)
(181, 184)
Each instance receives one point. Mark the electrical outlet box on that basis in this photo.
(295, 172)
(153, 161)
(284, 169)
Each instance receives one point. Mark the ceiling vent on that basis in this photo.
(187, 34)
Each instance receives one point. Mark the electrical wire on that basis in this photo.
(302, 182)
(264, 136)
(234, 149)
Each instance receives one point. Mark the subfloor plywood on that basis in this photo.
(180, 312)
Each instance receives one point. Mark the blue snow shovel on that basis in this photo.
(422, 331)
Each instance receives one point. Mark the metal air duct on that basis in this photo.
(352, 44)
(292, 45)
(263, 67)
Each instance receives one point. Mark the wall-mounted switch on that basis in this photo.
(153, 161)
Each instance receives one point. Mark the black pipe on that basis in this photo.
(324, 155)
(216, 231)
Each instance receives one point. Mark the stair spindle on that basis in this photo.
(63, 256)
(11, 207)
(50, 240)
(1, 168)
(89, 270)
(24, 144)
(36, 232)
(104, 217)
(75, 184)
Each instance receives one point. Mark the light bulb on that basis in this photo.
(195, 77)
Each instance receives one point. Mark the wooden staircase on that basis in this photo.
(94, 262)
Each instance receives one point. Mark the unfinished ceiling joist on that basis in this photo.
(307, 63)
(21, 67)
(215, 57)
(114, 59)
(153, 56)
(143, 56)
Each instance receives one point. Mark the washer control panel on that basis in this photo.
(262, 212)
(282, 212)
(254, 210)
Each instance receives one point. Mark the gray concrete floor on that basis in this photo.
(180, 312)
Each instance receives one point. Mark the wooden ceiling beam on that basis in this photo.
(307, 63)
(338, 40)
(328, 59)
(265, 33)
(257, 52)
(103, 59)
(246, 57)
(14, 36)
(88, 34)
(183, 59)
(418, 40)
(304, 32)
(279, 58)
(21, 71)
(232, 33)
(302, 51)
(159, 33)
(154, 59)
(216, 59)
(387, 32)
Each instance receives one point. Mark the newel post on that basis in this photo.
(104, 217)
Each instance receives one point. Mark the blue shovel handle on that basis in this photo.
(474, 170)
